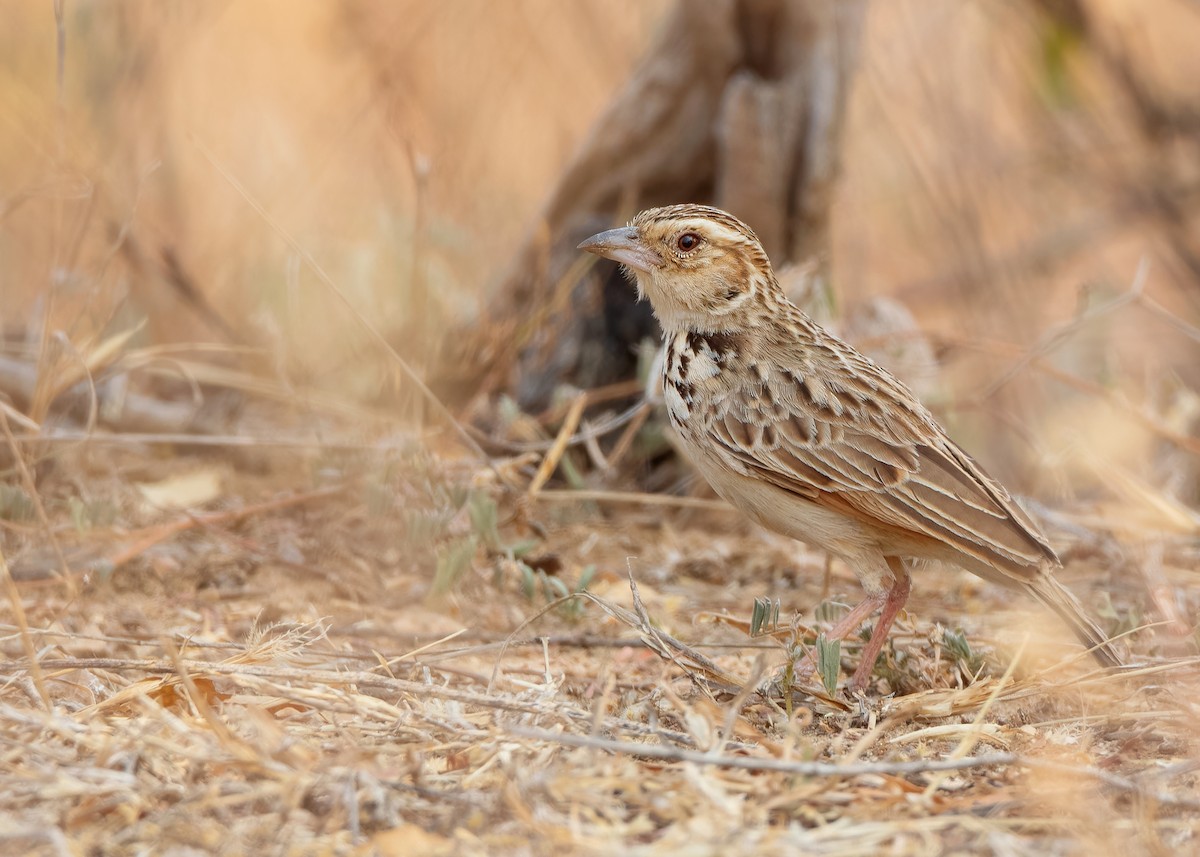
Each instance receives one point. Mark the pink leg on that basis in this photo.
(857, 615)
(891, 602)
(896, 596)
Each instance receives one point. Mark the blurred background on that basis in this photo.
(260, 588)
(1009, 171)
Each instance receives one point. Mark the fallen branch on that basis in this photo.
(780, 766)
(852, 769)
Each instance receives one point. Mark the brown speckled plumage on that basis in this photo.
(810, 438)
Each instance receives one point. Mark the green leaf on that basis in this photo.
(528, 580)
(79, 515)
(423, 527)
(456, 495)
(520, 549)
(829, 662)
(15, 504)
(553, 587)
(484, 519)
(828, 611)
(571, 473)
(764, 616)
(452, 563)
(955, 644)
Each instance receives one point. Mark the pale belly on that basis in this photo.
(783, 512)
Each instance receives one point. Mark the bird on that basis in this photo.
(811, 439)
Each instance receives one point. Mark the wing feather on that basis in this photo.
(898, 469)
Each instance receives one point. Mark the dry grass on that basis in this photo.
(327, 625)
(281, 673)
(282, 677)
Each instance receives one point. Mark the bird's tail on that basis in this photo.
(1059, 599)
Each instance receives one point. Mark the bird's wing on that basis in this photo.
(874, 453)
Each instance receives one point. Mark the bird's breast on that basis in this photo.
(690, 367)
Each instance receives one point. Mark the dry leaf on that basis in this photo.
(181, 492)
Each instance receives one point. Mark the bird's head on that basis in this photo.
(702, 268)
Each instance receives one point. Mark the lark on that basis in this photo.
(811, 439)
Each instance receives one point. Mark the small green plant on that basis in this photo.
(79, 516)
(15, 504)
(456, 494)
(828, 611)
(764, 617)
(428, 503)
(87, 515)
(424, 527)
(484, 519)
(553, 588)
(956, 645)
(829, 662)
(452, 562)
(435, 523)
(573, 609)
(528, 581)
(379, 489)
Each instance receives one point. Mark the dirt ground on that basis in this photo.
(367, 652)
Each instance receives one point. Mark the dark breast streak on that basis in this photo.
(722, 345)
(692, 359)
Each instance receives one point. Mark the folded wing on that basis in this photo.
(888, 464)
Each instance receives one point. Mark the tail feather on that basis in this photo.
(1059, 599)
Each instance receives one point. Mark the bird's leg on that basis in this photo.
(891, 602)
(896, 596)
(843, 629)
(857, 615)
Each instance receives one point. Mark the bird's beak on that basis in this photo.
(623, 245)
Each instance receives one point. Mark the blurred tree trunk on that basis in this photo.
(738, 103)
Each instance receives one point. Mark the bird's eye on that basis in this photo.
(687, 241)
